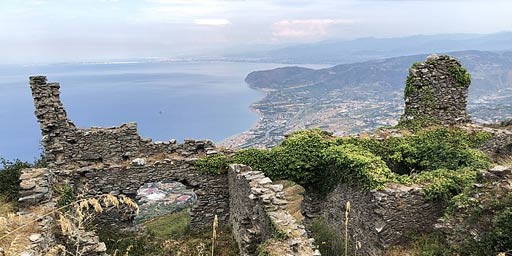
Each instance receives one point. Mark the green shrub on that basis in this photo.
(65, 194)
(257, 159)
(461, 75)
(298, 158)
(438, 148)
(213, 164)
(444, 159)
(10, 178)
(443, 184)
(353, 164)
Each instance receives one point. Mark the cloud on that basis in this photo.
(306, 28)
(212, 22)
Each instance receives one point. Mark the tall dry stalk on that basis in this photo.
(73, 222)
(347, 210)
(358, 247)
(214, 232)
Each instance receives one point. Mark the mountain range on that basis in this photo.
(363, 49)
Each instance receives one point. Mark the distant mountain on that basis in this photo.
(356, 97)
(490, 70)
(363, 49)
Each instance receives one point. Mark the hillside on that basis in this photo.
(350, 98)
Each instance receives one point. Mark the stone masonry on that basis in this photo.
(65, 144)
(261, 224)
(116, 160)
(436, 92)
(377, 219)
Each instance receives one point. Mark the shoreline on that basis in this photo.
(229, 142)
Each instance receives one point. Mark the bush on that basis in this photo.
(213, 164)
(353, 164)
(443, 184)
(445, 160)
(10, 178)
(298, 158)
(65, 194)
(438, 148)
(257, 159)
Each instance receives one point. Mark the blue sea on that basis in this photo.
(168, 99)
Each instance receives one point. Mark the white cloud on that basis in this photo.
(306, 28)
(212, 22)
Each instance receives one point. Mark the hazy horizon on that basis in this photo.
(49, 31)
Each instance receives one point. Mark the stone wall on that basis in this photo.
(259, 217)
(35, 186)
(38, 204)
(101, 157)
(211, 190)
(500, 145)
(436, 92)
(65, 144)
(377, 219)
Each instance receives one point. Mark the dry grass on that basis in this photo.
(5, 206)
(505, 161)
(401, 251)
(16, 242)
(294, 194)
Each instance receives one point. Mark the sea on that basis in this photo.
(167, 99)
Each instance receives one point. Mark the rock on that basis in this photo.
(212, 152)
(34, 237)
(101, 247)
(139, 162)
(264, 181)
(27, 184)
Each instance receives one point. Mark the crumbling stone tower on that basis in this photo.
(436, 93)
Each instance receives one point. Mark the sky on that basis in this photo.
(46, 31)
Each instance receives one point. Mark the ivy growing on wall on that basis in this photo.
(444, 159)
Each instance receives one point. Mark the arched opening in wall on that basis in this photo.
(169, 199)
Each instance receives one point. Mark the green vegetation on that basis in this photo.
(212, 164)
(328, 240)
(445, 160)
(431, 244)
(65, 194)
(173, 226)
(461, 75)
(9, 178)
(356, 165)
(487, 211)
(168, 235)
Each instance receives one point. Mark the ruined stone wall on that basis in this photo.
(99, 158)
(258, 215)
(500, 145)
(211, 190)
(377, 219)
(66, 144)
(38, 204)
(436, 92)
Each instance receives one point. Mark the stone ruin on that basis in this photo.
(118, 161)
(436, 92)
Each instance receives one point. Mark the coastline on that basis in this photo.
(235, 141)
